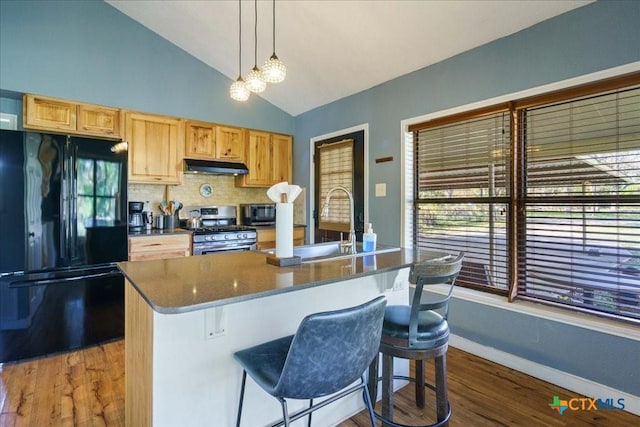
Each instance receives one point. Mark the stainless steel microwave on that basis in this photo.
(258, 213)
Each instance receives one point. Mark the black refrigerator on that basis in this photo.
(63, 228)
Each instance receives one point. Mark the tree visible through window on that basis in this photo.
(98, 184)
(542, 194)
(462, 195)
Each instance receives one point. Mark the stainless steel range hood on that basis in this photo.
(213, 167)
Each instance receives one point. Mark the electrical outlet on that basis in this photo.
(215, 320)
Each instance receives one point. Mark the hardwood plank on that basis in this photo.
(99, 391)
(45, 404)
(19, 384)
(17, 398)
(115, 361)
(481, 393)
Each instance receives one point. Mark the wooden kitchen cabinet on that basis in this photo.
(268, 157)
(258, 159)
(229, 144)
(156, 145)
(208, 141)
(57, 115)
(200, 142)
(281, 158)
(142, 248)
(266, 237)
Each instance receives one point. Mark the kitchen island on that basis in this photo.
(185, 318)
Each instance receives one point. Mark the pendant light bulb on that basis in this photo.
(255, 81)
(238, 90)
(274, 70)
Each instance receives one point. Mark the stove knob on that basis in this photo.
(227, 236)
(242, 236)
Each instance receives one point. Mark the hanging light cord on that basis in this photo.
(255, 33)
(274, 26)
(240, 37)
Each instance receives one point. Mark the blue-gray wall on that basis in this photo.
(592, 38)
(88, 51)
(595, 37)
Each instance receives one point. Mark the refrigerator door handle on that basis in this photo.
(72, 235)
(27, 283)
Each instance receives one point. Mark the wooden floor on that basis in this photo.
(86, 388)
(81, 388)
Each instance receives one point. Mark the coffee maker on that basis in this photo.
(136, 222)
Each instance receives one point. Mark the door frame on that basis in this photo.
(364, 128)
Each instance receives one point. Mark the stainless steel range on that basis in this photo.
(218, 231)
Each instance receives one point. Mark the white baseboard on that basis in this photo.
(581, 386)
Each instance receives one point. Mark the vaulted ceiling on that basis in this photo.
(333, 49)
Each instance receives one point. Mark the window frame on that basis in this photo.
(517, 191)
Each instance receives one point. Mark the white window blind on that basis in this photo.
(336, 169)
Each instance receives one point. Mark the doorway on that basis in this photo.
(349, 147)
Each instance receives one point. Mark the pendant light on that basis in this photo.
(255, 82)
(273, 70)
(238, 89)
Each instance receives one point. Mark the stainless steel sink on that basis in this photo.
(331, 251)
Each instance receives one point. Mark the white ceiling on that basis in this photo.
(332, 48)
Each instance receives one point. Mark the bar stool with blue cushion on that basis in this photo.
(329, 352)
(418, 332)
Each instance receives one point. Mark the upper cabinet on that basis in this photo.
(268, 158)
(208, 141)
(200, 140)
(159, 144)
(229, 144)
(155, 148)
(56, 115)
(281, 158)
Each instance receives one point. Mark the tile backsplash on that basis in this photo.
(224, 193)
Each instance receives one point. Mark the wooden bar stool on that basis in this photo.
(417, 332)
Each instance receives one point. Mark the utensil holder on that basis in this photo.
(169, 221)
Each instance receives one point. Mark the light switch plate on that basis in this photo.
(381, 190)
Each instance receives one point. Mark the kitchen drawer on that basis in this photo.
(159, 247)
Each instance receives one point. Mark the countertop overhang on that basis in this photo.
(180, 285)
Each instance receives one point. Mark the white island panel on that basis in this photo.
(196, 380)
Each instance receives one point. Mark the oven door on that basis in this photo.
(210, 248)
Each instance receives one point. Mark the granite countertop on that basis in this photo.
(158, 232)
(179, 285)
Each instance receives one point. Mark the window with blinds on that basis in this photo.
(542, 194)
(581, 236)
(462, 197)
(336, 169)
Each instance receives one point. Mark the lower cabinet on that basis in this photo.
(142, 248)
(266, 238)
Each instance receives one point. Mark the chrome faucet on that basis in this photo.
(352, 232)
